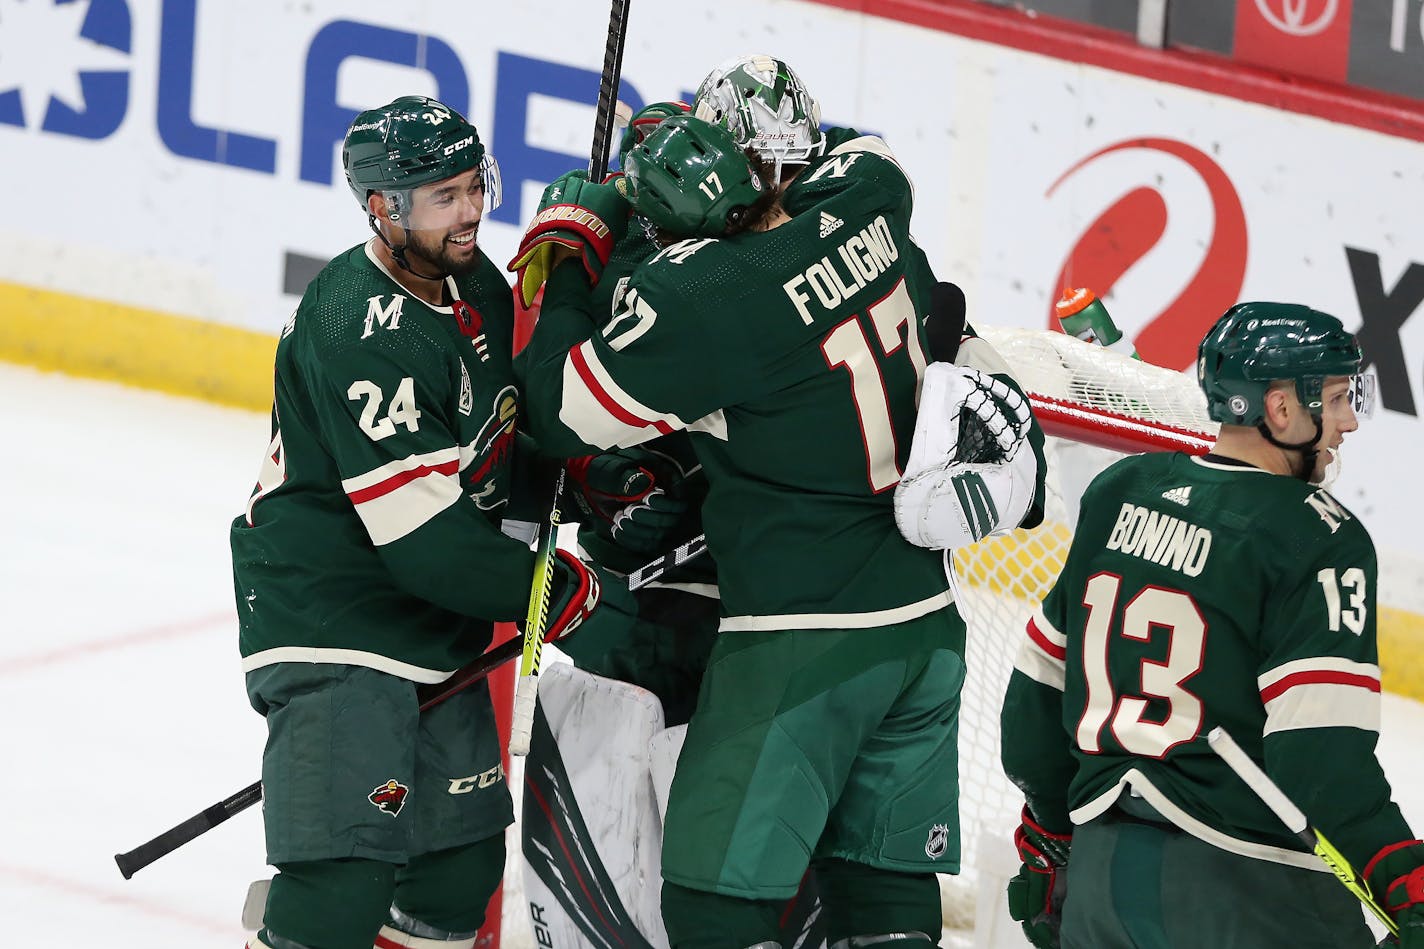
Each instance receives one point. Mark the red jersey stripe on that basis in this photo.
(1319, 677)
(611, 405)
(1042, 642)
(382, 488)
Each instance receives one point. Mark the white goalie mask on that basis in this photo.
(765, 106)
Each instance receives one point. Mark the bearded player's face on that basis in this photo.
(444, 221)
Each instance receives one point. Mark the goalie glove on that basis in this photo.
(1037, 892)
(1396, 878)
(968, 474)
(575, 217)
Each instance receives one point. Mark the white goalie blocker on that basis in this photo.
(970, 473)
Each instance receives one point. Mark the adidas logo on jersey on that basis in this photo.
(1180, 495)
(829, 222)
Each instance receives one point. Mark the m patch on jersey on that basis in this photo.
(938, 841)
(389, 797)
(829, 222)
(1180, 495)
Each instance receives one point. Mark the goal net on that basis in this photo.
(1095, 405)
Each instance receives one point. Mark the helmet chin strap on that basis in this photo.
(398, 252)
(1307, 448)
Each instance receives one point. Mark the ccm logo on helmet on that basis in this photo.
(463, 143)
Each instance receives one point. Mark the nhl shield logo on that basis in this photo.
(389, 797)
(938, 841)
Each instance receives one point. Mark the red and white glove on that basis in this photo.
(573, 597)
(575, 217)
(1396, 878)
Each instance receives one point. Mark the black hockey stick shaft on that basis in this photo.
(200, 823)
(604, 112)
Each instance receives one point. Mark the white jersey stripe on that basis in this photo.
(344, 657)
(599, 412)
(1323, 705)
(373, 478)
(391, 515)
(783, 621)
(1033, 661)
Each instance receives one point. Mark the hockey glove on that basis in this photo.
(629, 496)
(1396, 878)
(573, 597)
(1036, 893)
(576, 217)
(644, 121)
(969, 473)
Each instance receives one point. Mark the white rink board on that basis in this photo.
(151, 216)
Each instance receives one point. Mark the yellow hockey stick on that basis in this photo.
(1273, 797)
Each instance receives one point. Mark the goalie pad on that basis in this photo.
(591, 829)
(968, 474)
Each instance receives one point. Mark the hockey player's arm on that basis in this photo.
(384, 417)
(651, 371)
(1035, 748)
(1320, 688)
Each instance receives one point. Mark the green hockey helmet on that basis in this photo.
(413, 141)
(765, 106)
(691, 178)
(1256, 344)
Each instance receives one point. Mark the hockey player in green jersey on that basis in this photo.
(825, 728)
(370, 557)
(1229, 590)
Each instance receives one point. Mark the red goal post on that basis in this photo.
(1095, 406)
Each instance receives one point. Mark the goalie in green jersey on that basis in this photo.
(371, 559)
(1234, 591)
(792, 349)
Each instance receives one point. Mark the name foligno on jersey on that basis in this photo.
(836, 277)
(1161, 539)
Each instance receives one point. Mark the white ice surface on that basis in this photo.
(123, 703)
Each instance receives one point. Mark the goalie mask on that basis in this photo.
(692, 179)
(413, 141)
(766, 107)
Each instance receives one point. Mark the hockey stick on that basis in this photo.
(199, 824)
(1273, 797)
(526, 689)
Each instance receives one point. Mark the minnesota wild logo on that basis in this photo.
(389, 797)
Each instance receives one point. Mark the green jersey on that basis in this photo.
(373, 536)
(1201, 592)
(794, 356)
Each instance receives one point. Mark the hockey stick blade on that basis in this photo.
(676, 557)
(170, 840)
(944, 326)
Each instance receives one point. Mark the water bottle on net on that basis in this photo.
(1083, 315)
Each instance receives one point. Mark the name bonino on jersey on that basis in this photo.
(1161, 539)
(863, 256)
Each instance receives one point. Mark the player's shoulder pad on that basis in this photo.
(1310, 516)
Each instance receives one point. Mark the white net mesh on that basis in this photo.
(1001, 580)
